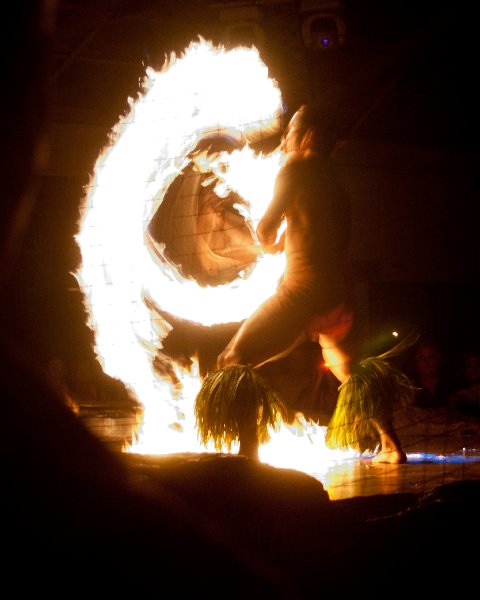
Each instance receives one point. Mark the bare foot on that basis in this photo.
(393, 457)
(390, 447)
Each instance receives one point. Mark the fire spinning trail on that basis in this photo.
(207, 92)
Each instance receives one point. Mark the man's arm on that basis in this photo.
(269, 225)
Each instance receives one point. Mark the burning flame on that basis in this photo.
(206, 91)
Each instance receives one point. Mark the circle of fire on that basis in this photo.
(208, 91)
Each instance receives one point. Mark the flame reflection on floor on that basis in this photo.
(342, 476)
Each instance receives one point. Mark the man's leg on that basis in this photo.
(341, 351)
(275, 329)
(339, 341)
(390, 447)
(247, 433)
(271, 332)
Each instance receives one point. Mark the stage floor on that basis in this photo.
(422, 473)
(442, 447)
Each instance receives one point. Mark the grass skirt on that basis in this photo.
(233, 395)
(239, 394)
(369, 394)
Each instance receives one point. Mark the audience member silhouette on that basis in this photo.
(430, 374)
(467, 397)
(56, 372)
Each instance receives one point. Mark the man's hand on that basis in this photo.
(268, 240)
(277, 247)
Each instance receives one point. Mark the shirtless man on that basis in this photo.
(312, 300)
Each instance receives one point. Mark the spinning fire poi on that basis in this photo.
(156, 179)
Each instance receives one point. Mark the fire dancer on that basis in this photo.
(313, 301)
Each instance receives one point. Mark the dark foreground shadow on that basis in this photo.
(79, 517)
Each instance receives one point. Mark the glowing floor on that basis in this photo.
(422, 473)
(441, 448)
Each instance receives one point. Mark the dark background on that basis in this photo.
(402, 89)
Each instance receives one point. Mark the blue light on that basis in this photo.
(423, 457)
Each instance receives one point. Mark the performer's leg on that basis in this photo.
(390, 446)
(271, 332)
(233, 354)
(275, 329)
(340, 364)
(339, 340)
(341, 350)
(337, 358)
(247, 433)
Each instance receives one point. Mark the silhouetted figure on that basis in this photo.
(433, 380)
(467, 397)
(56, 372)
(313, 302)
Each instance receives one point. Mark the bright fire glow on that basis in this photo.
(206, 91)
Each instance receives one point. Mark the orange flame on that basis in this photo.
(208, 90)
